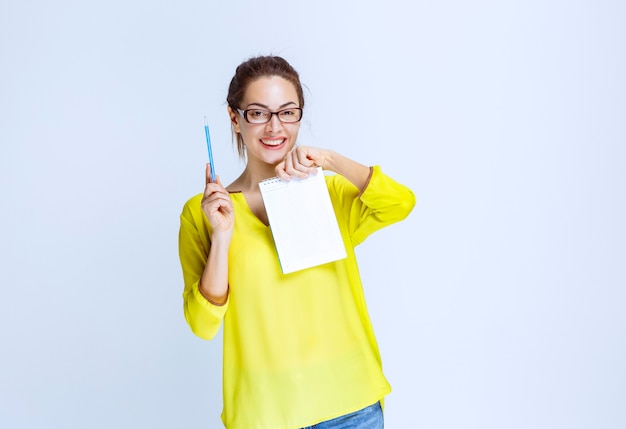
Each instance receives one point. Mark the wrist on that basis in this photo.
(221, 237)
(328, 161)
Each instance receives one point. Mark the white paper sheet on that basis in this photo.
(302, 221)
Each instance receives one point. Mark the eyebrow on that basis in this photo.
(267, 107)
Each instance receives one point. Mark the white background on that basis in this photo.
(499, 303)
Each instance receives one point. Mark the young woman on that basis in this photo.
(299, 348)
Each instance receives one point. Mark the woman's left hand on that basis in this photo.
(300, 162)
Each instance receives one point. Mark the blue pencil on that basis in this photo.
(208, 145)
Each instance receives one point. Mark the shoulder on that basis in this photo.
(193, 202)
(192, 207)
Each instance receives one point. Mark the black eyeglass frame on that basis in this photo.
(244, 113)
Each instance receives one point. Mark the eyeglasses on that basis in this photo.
(262, 116)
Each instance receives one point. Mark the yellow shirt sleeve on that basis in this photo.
(204, 318)
(382, 202)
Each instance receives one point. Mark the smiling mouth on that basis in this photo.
(273, 142)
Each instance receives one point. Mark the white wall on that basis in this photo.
(498, 303)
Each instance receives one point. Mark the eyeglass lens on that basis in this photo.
(261, 116)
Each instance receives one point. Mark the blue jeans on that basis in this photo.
(368, 418)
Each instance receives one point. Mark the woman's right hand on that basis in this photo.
(217, 205)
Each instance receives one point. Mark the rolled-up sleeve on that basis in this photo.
(382, 202)
(203, 317)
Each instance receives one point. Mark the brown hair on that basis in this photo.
(253, 69)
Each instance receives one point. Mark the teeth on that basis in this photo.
(272, 142)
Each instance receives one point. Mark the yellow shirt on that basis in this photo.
(298, 348)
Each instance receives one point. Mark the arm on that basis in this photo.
(203, 317)
(218, 208)
(383, 202)
(204, 238)
(303, 160)
(369, 200)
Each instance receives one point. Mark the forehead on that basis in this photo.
(272, 91)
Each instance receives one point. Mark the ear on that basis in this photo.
(234, 120)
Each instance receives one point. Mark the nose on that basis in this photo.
(274, 124)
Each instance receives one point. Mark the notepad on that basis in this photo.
(302, 221)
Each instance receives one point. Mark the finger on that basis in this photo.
(280, 171)
(289, 163)
(209, 189)
(212, 194)
(215, 185)
(304, 157)
(298, 169)
(207, 173)
(312, 158)
(217, 203)
(306, 162)
(219, 193)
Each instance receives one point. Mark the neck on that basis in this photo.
(251, 176)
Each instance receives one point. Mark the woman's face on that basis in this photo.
(269, 142)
